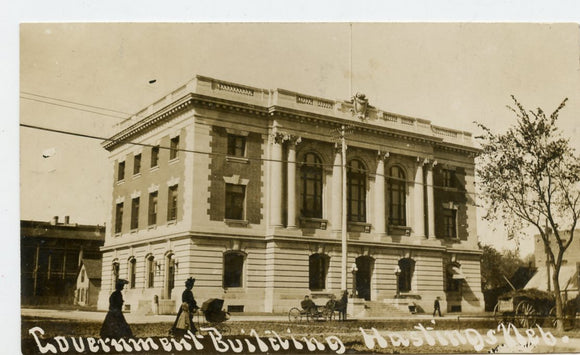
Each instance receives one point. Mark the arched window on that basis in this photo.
(317, 270)
(115, 273)
(397, 197)
(407, 267)
(233, 269)
(132, 272)
(356, 191)
(150, 261)
(311, 177)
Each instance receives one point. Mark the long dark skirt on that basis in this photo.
(115, 326)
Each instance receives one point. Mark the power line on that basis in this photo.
(71, 107)
(444, 188)
(74, 102)
(225, 154)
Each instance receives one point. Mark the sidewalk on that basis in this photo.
(138, 318)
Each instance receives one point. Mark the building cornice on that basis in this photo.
(206, 93)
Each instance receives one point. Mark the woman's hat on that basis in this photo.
(121, 282)
(190, 281)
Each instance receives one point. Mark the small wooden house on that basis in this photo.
(88, 282)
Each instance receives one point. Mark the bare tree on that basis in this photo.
(530, 175)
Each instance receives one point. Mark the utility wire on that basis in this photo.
(391, 178)
(74, 102)
(225, 154)
(72, 107)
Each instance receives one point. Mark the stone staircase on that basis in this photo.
(369, 309)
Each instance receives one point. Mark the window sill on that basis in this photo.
(359, 227)
(400, 230)
(311, 222)
(134, 231)
(153, 168)
(170, 222)
(137, 175)
(236, 222)
(152, 226)
(173, 161)
(234, 159)
(117, 235)
(119, 182)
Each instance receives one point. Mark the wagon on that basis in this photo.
(525, 308)
(320, 313)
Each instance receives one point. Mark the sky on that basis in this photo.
(451, 74)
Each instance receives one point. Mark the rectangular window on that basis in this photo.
(136, 164)
(154, 156)
(236, 145)
(449, 223)
(135, 213)
(235, 195)
(121, 171)
(449, 178)
(233, 269)
(172, 203)
(119, 218)
(153, 208)
(174, 148)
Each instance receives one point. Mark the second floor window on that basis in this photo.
(152, 220)
(311, 176)
(235, 196)
(356, 191)
(121, 171)
(136, 164)
(135, 213)
(173, 152)
(119, 217)
(449, 178)
(236, 145)
(154, 156)
(172, 203)
(397, 197)
(449, 223)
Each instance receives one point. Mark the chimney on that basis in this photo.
(54, 221)
(66, 219)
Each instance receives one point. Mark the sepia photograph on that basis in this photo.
(312, 187)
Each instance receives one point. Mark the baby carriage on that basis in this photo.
(214, 315)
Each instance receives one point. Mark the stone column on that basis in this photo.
(419, 204)
(336, 202)
(291, 176)
(276, 180)
(379, 212)
(430, 201)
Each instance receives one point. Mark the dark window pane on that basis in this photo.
(154, 156)
(235, 195)
(137, 164)
(153, 208)
(233, 269)
(121, 171)
(119, 218)
(174, 148)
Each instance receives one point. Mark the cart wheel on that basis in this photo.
(327, 313)
(497, 315)
(294, 315)
(526, 315)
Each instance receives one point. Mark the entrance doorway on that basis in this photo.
(365, 265)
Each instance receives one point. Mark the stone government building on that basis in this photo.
(241, 188)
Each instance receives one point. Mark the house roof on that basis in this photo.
(568, 278)
(46, 230)
(93, 268)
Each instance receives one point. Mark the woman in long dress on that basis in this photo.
(184, 320)
(115, 326)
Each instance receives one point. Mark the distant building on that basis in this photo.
(569, 277)
(88, 282)
(241, 188)
(50, 256)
